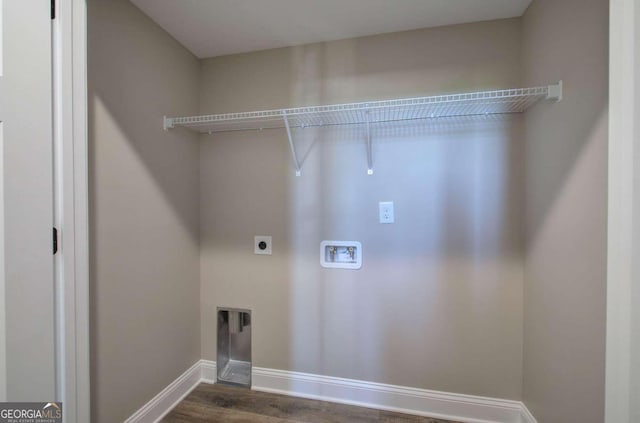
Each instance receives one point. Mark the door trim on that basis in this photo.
(3, 303)
(623, 232)
(71, 209)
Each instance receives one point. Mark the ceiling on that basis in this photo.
(218, 27)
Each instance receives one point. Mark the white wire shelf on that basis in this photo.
(467, 104)
(514, 100)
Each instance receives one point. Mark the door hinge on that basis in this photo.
(55, 240)
(53, 9)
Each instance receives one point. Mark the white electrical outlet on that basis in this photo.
(262, 245)
(386, 212)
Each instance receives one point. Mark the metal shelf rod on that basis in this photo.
(292, 146)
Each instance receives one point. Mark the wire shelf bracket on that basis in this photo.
(369, 154)
(292, 145)
(554, 92)
(515, 100)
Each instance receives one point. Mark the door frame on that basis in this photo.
(3, 307)
(623, 233)
(71, 211)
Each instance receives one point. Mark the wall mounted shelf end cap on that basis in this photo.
(555, 92)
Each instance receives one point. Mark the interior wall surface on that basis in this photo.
(565, 208)
(144, 271)
(27, 286)
(438, 301)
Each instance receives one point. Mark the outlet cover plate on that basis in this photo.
(257, 240)
(386, 212)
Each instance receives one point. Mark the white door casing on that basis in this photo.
(71, 209)
(623, 266)
(3, 324)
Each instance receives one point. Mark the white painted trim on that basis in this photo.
(623, 243)
(3, 306)
(443, 405)
(527, 417)
(62, 121)
(208, 371)
(71, 210)
(80, 317)
(161, 404)
(380, 396)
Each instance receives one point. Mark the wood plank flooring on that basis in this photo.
(218, 403)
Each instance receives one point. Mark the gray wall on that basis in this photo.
(438, 302)
(145, 327)
(565, 266)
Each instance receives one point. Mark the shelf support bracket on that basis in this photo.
(369, 154)
(554, 92)
(167, 123)
(292, 146)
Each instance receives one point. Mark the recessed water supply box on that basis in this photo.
(341, 254)
(234, 347)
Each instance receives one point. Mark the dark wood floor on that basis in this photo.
(218, 403)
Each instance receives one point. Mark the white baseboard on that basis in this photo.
(170, 396)
(208, 371)
(527, 417)
(443, 405)
(423, 402)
